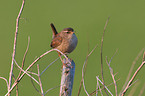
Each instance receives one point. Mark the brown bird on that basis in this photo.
(65, 41)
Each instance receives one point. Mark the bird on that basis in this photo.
(65, 41)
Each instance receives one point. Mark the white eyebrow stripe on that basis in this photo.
(65, 31)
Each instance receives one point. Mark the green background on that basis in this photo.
(125, 32)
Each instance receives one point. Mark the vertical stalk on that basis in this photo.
(67, 78)
(14, 48)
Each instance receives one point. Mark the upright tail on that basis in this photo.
(53, 29)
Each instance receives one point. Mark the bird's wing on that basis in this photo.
(57, 40)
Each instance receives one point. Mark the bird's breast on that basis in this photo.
(68, 44)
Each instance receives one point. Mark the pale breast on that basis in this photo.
(68, 44)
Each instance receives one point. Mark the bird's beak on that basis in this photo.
(73, 31)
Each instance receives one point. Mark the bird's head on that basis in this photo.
(68, 30)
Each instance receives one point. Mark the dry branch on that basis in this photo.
(5, 80)
(131, 69)
(80, 86)
(14, 48)
(99, 87)
(131, 80)
(113, 77)
(67, 78)
(83, 69)
(102, 54)
(25, 71)
(104, 86)
(40, 83)
(24, 58)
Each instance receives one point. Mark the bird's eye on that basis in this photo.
(67, 32)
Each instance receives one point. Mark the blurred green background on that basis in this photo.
(125, 32)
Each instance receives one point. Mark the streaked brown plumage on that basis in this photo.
(65, 41)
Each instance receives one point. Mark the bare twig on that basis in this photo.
(113, 83)
(22, 65)
(102, 54)
(133, 89)
(99, 87)
(33, 64)
(131, 69)
(24, 58)
(95, 91)
(115, 74)
(111, 72)
(25, 73)
(40, 83)
(5, 80)
(40, 58)
(131, 80)
(83, 69)
(14, 48)
(51, 89)
(35, 87)
(113, 56)
(104, 86)
(17, 92)
(133, 83)
(84, 72)
(32, 73)
(48, 66)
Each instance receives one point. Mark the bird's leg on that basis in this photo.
(60, 57)
(64, 64)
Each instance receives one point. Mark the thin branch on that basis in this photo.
(95, 91)
(14, 48)
(24, 58)
(131, 69)
(133, 83)
(51, 89)
(40, 83)
(102, 54)
(133, 89)
(5, 80)
(104, 86)
(32, 73)
(111, 72)
(83, 70)
(17, 92)
(41, 57)
(34, 84)
(37, 59)
(48, 66)
(131, 80)
(113, 56)
(115, 74)
(25, 73)
(35, 87)
(112, 83)
(99, 87)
